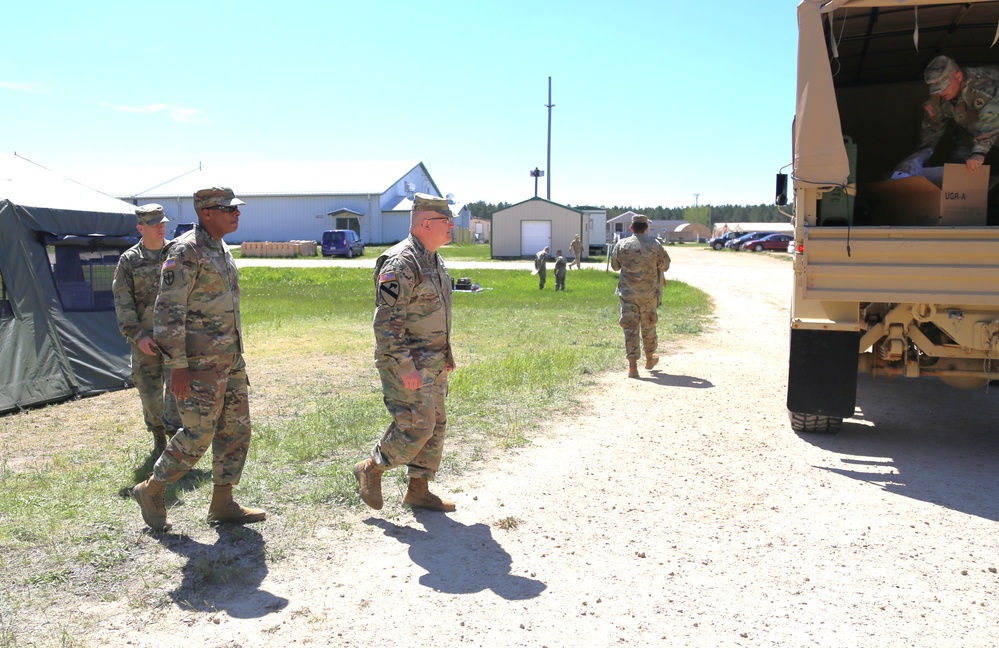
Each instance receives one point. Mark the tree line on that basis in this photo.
(700, 214)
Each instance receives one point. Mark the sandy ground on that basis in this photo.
(676, 510)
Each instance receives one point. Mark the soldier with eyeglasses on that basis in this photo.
(412, 326)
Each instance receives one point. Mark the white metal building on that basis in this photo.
(298, 201)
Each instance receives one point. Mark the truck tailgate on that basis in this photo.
(901, 264)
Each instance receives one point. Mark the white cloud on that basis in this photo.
(23, 87)
(178, 114)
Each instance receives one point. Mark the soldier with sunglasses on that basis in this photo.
(197, 327)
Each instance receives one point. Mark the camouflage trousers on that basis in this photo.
(415, 437)
(216, 414)
(639, 319)
(159, 407)
(559, 281)
(541, 278)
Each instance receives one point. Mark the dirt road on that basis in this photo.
(676, 510)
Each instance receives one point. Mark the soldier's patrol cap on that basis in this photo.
(639, 218)
(938, 73)
(222, 196)
(426, 202)
(151, 214)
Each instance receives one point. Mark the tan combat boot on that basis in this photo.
(224, 510)
(419, 496)
(632, 368)
(149, 495)
(651, 360)
(369, 481)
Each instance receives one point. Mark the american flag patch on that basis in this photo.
(169, 263)
(386, 276)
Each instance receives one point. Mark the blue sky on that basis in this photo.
(654, 100)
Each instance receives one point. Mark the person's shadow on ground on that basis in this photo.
(460, 559)
(659, 376)
(225, 575)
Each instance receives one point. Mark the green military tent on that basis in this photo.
(59, 245)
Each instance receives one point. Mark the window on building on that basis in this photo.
(350, 223)
(83, 268)
(6, 311)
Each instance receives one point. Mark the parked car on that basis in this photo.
(342, 243)
(718, 242)
(769, 242)
(181, 228)
(736, 243)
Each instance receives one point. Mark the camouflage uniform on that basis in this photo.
(576, 248)
(541, 265)
(642, 262)
(976, 111)
(560, 272)
(136, 282)
(412, 328)
(197, 326)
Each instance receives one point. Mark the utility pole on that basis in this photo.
(549, 105)
(697, 212)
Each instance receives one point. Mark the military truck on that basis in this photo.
(892, 277)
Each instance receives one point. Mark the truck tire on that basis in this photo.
(814, 422)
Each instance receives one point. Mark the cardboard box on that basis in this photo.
(948, 196)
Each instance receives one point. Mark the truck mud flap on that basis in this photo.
(822, 372)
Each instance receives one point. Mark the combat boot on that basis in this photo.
(224, 510)
(369, 482)
(149, 495)
(632, 367)
(651, 360)
(418, 495)
(159, 442)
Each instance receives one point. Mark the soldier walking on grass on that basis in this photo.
(559, 271)
(541, 267)
(135, 285)
(413, 355)
(198, 329)
(642, 262)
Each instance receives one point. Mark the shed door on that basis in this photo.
(534, 236)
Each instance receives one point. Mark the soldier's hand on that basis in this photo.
(180, 382)
(974, 163)
(147, 346)
(413, 380)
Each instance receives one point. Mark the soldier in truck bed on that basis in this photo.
(969, 97)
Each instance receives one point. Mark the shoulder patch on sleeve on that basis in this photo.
(388, 292)
(169, 263)
(386, 276)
